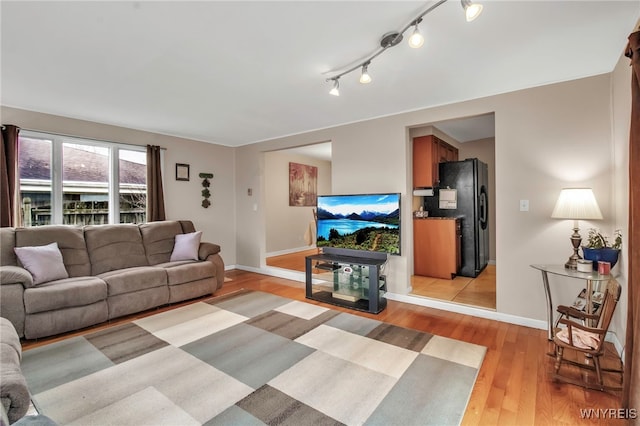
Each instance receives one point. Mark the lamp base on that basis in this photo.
(572, 263)
(576, 239)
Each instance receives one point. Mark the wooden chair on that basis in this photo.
(585, 334)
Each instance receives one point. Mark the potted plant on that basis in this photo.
(598, 247)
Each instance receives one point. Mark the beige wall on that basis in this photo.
(286, 225)
(182, 199)
(547, 138)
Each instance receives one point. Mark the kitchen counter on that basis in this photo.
(436, 218)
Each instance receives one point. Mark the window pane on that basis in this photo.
(34, 160)
(85, 184)
(133, 186)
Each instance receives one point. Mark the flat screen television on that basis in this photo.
(359, 222)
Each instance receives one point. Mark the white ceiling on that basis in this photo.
(240, 72)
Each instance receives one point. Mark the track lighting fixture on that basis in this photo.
(390, 39)
(365, 77)
(416, 40)
(471, 10)
(335, 91)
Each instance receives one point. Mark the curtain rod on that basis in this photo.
(83, 137)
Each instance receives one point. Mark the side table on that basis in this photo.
(589, 277)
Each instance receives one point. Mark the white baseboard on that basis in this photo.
(468, 310)
(613, 338)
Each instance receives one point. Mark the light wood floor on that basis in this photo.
(513, 387)
(479, 291)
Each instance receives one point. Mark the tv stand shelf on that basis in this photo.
(350, 281)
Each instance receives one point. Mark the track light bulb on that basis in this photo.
(365, 77)
(335, 91)
(471, 10)
(416, 40)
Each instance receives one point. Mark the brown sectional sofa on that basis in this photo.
(114, 270)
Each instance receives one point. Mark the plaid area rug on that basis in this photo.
(250, 359)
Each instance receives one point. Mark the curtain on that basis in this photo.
(631, 393)
(155, 196)
(8, 175)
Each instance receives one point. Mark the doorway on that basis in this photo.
(290, 229)
(474, 137)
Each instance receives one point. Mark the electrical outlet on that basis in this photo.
(524, 205)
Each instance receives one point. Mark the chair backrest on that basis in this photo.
(611, 297)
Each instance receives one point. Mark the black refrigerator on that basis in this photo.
(462, 192)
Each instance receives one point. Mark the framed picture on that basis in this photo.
(303, 185)
(182, 171)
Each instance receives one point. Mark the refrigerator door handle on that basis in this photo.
(483, 207)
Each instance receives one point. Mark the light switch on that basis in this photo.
(524, 205)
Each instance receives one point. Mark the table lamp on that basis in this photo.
(576, 204)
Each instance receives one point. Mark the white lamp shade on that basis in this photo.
(576, 203)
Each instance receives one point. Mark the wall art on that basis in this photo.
(303, 185)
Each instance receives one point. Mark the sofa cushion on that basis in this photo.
(9, 336)
(44, 263)
(186, 246)
(12, 304)
(70, 292)
(113, 247)
(187, 226)
(188, 271)
(134, 279)
(159, 240)
(7, 243)
(70, 241)
(48, 323)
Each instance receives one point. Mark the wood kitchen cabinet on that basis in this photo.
(428, 152)
(437, 247)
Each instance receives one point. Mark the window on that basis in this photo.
(65, 180)
(132, 189)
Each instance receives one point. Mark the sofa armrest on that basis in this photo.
(211, 252)
(207, 249)
(15, 275)
(13, 281)
(14, 393)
